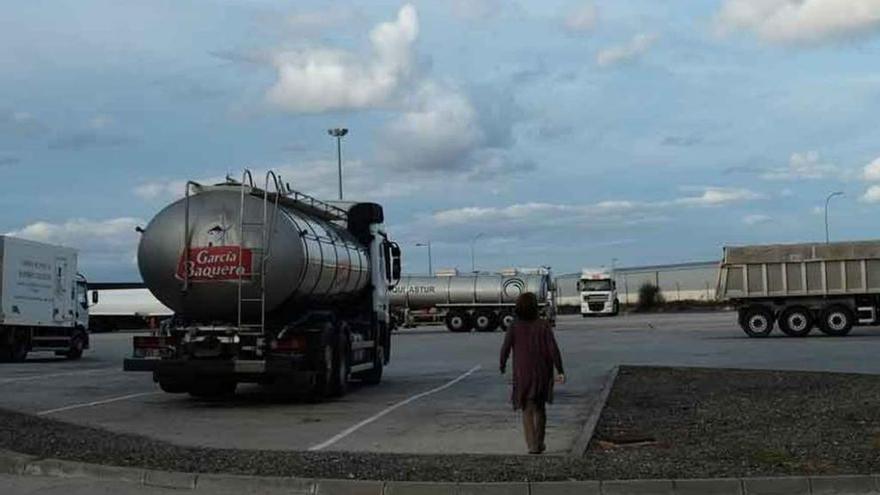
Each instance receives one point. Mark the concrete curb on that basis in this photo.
(21, 464)
(582, 442)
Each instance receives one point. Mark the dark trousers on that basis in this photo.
(534, 424)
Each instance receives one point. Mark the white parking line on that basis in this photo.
(95, 403)
(378, 415)
(107, 371)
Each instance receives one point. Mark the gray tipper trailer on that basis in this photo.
(831, 286)
(43, 300)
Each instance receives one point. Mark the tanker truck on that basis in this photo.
(271, 287)
(481, 302)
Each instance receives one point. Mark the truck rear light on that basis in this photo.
(150, 346)
(290, 344)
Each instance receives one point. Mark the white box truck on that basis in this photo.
(598, 293)
(43, 300)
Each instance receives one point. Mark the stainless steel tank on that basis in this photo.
(309, 259)
(427, 292)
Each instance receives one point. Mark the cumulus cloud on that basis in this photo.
(872, 171)
(104, 245)
(582, 19)
(627, 52)
(872, 195)
(807, 165)
(756, 219)
(800, 21)
(718, 196)
(320, 79)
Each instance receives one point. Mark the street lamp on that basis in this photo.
(430, 262)
(473, 257)
(828, 200)
(338, 133)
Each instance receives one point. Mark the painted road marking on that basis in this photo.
(107, 371)
(400, 404)
(95, 403)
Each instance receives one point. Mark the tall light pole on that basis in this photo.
(473, 256)
(828, 200)
(430, 262)
(338, 133)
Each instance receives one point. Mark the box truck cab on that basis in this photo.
(598, 293)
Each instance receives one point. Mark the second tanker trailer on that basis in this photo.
(267, 287)
(481, 302)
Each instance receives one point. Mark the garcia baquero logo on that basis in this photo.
(209, 264)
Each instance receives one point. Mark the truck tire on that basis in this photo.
(173, 386)
(77, 345)
(485, 321)
(324, 374)
(18, 351)
(458, 321)
(374, 376)
(616, 310)
(757, 321)
(341, 367)
(796, 321)
(506, 320)
(837, 321)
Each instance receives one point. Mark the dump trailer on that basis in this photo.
(481, 302)
(832, 286)
(271, 287)
(43, 300)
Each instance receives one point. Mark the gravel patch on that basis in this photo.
(714, 423)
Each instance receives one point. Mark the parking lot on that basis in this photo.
(442, 392)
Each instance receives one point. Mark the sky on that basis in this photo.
(557, 133)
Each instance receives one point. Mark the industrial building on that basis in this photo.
(680, 282)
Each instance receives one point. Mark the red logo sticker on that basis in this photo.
(208, 264)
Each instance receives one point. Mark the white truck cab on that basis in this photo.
(598, 293)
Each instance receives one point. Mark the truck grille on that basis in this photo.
(596, 298)
(596, 306)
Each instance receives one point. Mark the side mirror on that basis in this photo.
(94, 297)
(392, 263)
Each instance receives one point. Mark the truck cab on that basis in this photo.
(598, 294)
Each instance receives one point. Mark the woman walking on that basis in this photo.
(535, 354)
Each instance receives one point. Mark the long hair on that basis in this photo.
(527, 307)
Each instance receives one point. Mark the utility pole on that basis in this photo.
(430, 261)
(828, 200)
(338, 133)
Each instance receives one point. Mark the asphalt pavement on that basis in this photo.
(442, 392)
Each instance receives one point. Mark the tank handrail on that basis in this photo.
(246, 174)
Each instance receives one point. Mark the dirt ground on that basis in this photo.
(693, 422)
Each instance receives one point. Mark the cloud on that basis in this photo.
(582, 19)
(627, 52)
(718, 196)
(92, 138)
(872, 171)
(22, 124)
(102, 244)
(802, 166)
(756, 219)
(800, 21)
(872, 195)
(315, 80)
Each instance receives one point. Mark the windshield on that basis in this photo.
(594, 285)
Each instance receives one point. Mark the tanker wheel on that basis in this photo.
(77, 345)
(324, 375)
(506, 320)
(796, 321)
(458, 321)
(757, 322)
(485, 321)
(341, 367)
(837, 321)
(208, 388)
(19, 351)
(374, 376)
(172, 386)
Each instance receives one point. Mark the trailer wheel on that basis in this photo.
(837, 321)
(506, 320)
(757, 322)
(796, 321)
(485, 321)
(458, 321)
